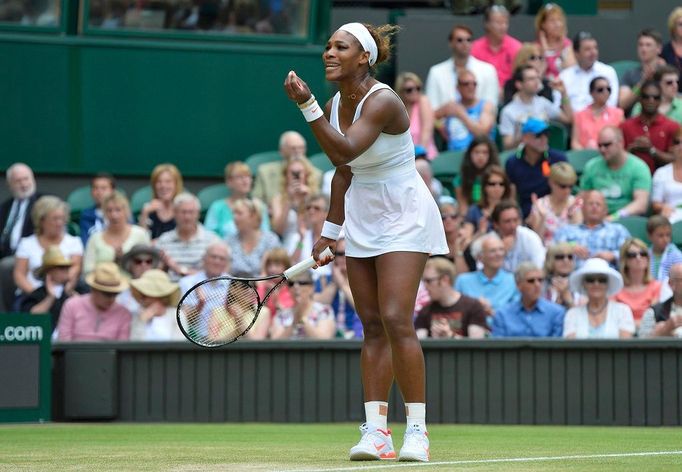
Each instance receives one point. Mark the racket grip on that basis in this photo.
(306, 264)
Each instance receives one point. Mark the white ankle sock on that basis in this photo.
(376, 413)
(416, 414)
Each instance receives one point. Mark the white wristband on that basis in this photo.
(331, 230)
(312, 112)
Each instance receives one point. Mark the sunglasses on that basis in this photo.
(633, 255)
(534, 280)
(293, 283)
(495, 184)
(467, 83)
(536, 58)
(670, 82)
(604, 145)
(464, 40)
(412, 89)
(540, 135)
(602, 89)
(452, 216)
(677, 141)
(138, 261)
(600, 279)
(314, 207)
(339, 254)
(561, 257)
(565, 186)
(646, 96)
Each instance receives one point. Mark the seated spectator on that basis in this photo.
(457, 234)
(310, 231)
(92, 219)
(49, 297)
(250, 243)
(493, 286)
(408, 86)
(532, 316)
(527, 105)
(467, 117)
(666, 193)
(663, 254)
(307, 319)
(529, 168)
(559, 208)
(480, 154)
(496, 47)
(559, 264)
(96, 316)
(137, 261)
(667, 77)
(117, 238)
(530, 54)
(157, 215)
(649, 45)
(49, 215)
(219, 217)
(595, 236)
(214, 263)
(449, 313)
(158, 299)
(622, 178)
(599, 318)
(423, 166)
(496, 187)
(275, 262)
(649, 135)
(640, 291)
(588, 122)
(665, 319)
(183, 247)
(521, 244)
(551, 31)
(672, 50)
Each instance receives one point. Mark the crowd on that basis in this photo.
(536, 246)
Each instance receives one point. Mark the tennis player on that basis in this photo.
(391, 222)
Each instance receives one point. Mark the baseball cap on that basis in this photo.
(535, 126)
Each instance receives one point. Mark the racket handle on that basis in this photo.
(306, 264)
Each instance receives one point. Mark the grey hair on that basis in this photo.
(17, 165)
(288, 134)
(185, 197)
(219, 244)
(523, 268)
(477, 245)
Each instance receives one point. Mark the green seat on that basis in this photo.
(139, 198)
(558, 136)
(80, 199)
(636, 225)
(255, 160)
(622, 66)
(446, 166)
(505, 156)
(210, 194)
(580, 157)
(677, 234)
(322, 162)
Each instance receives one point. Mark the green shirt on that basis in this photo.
(618, 185)
(674, 112)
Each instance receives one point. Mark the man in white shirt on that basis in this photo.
(521, 244)
(577, 77)
(441, 82)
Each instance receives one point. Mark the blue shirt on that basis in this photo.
(544, 320)
(499, 291)
(660, 268)
(604, 237)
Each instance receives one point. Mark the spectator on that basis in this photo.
(649, 44)
(408, 85)
(671, 105)
(532, 316)
(457, 234)
(449, 314)
(639, 290)
(479, 156)
(559, 264)
(467, 117)
(15, 223)
(215, 263)
(49, 297)
(527, 105)
(183, 247)
(307, 319)
(92, 219)
(622, 178)
(496, 187)
(309, 231)
(578, 76)
(600, 318)
(649, 135)
(559, 208)
(49, 215)
(140, 258)
(521, 244)
(529, 168)
(158, 299)
(493, 286)
(442, 77)
(275, 262)
(96, 316)
(250, 243)
(551, 30)
(588, 122)
(663, 254)
(219, 217)
(596, 237)
(423, 166)
(496, 47)
(117, 238)
(157, 215)
(666, 193)
(665, 319)
(530, 54)
(270, 175)
(672, 50)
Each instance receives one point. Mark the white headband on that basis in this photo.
(366, 40)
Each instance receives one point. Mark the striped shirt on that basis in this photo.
(186, 253)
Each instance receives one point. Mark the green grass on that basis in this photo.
(269, 447)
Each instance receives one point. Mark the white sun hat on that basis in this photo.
(596, 266)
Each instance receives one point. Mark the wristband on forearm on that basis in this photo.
(311, 109)
(331, 230)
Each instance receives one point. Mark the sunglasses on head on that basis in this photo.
(600, 279)
(603, 89)
(412, 89)
(633, 255)
(561, 257)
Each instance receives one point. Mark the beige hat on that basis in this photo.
(52, 257)
(155, 283)
(107, 278)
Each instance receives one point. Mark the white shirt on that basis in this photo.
(527, 247)
(618, 318)
(441, 82)
(517, 112)
(29, 248)
(666, 189)
(577, 82)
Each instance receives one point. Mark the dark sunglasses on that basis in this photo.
(541, 134)
(495, 184)
(676, 141)
(339, 254)
(561, 257)
(604, 145)
(633, 255)
(464, 40)
(565, 186)
(467, 83)
(646, 96)
(602, 89)
(536, 58)
(600, 279)
(143, 261)
(534, 280)
(292, 283)
(412, 89)
(452, 216)
(670, 82)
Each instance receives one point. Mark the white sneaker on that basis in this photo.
(415, 445)
(375, 444)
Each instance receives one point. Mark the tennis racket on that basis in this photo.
(220, 310)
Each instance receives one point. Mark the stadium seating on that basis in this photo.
(254, 160)
(677, 234)
(210, 194)
(504, 155)
(446, 166)
(80, 199)
(558, 136)
(321, 161)
(637, 227)
(580, 157)
(139, 198)
(622, 66)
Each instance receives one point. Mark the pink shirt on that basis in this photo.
(588, 126)
(639, 302)
(555, 59)
(502, 59)
(416, 131)
(80, 320)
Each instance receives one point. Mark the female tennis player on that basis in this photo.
(391, 221)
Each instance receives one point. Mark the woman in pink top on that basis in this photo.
(588, 122)
(409, 88)
(550, 26)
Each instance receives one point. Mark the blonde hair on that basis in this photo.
(406, 77)
(43, 206)
(278, 255)
(622, 267)
(547, 10)
(523, 56)
(308, 172)
(174, 172)
(119, 198)
(675, 15)
(563, 173)
(237, 167)
(553, 250)
(443, 267)
(250, 206)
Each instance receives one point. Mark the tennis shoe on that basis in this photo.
(415, 445)
(375, 444)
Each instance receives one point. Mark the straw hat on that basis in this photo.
(138, 250)
(52, 257)
(107, 278)
(155, 283)
(596, 266)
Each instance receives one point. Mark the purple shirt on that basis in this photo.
(80, 320)
(502, 59)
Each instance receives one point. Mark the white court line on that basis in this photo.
(494, 461)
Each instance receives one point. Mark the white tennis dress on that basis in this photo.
(388, 206)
